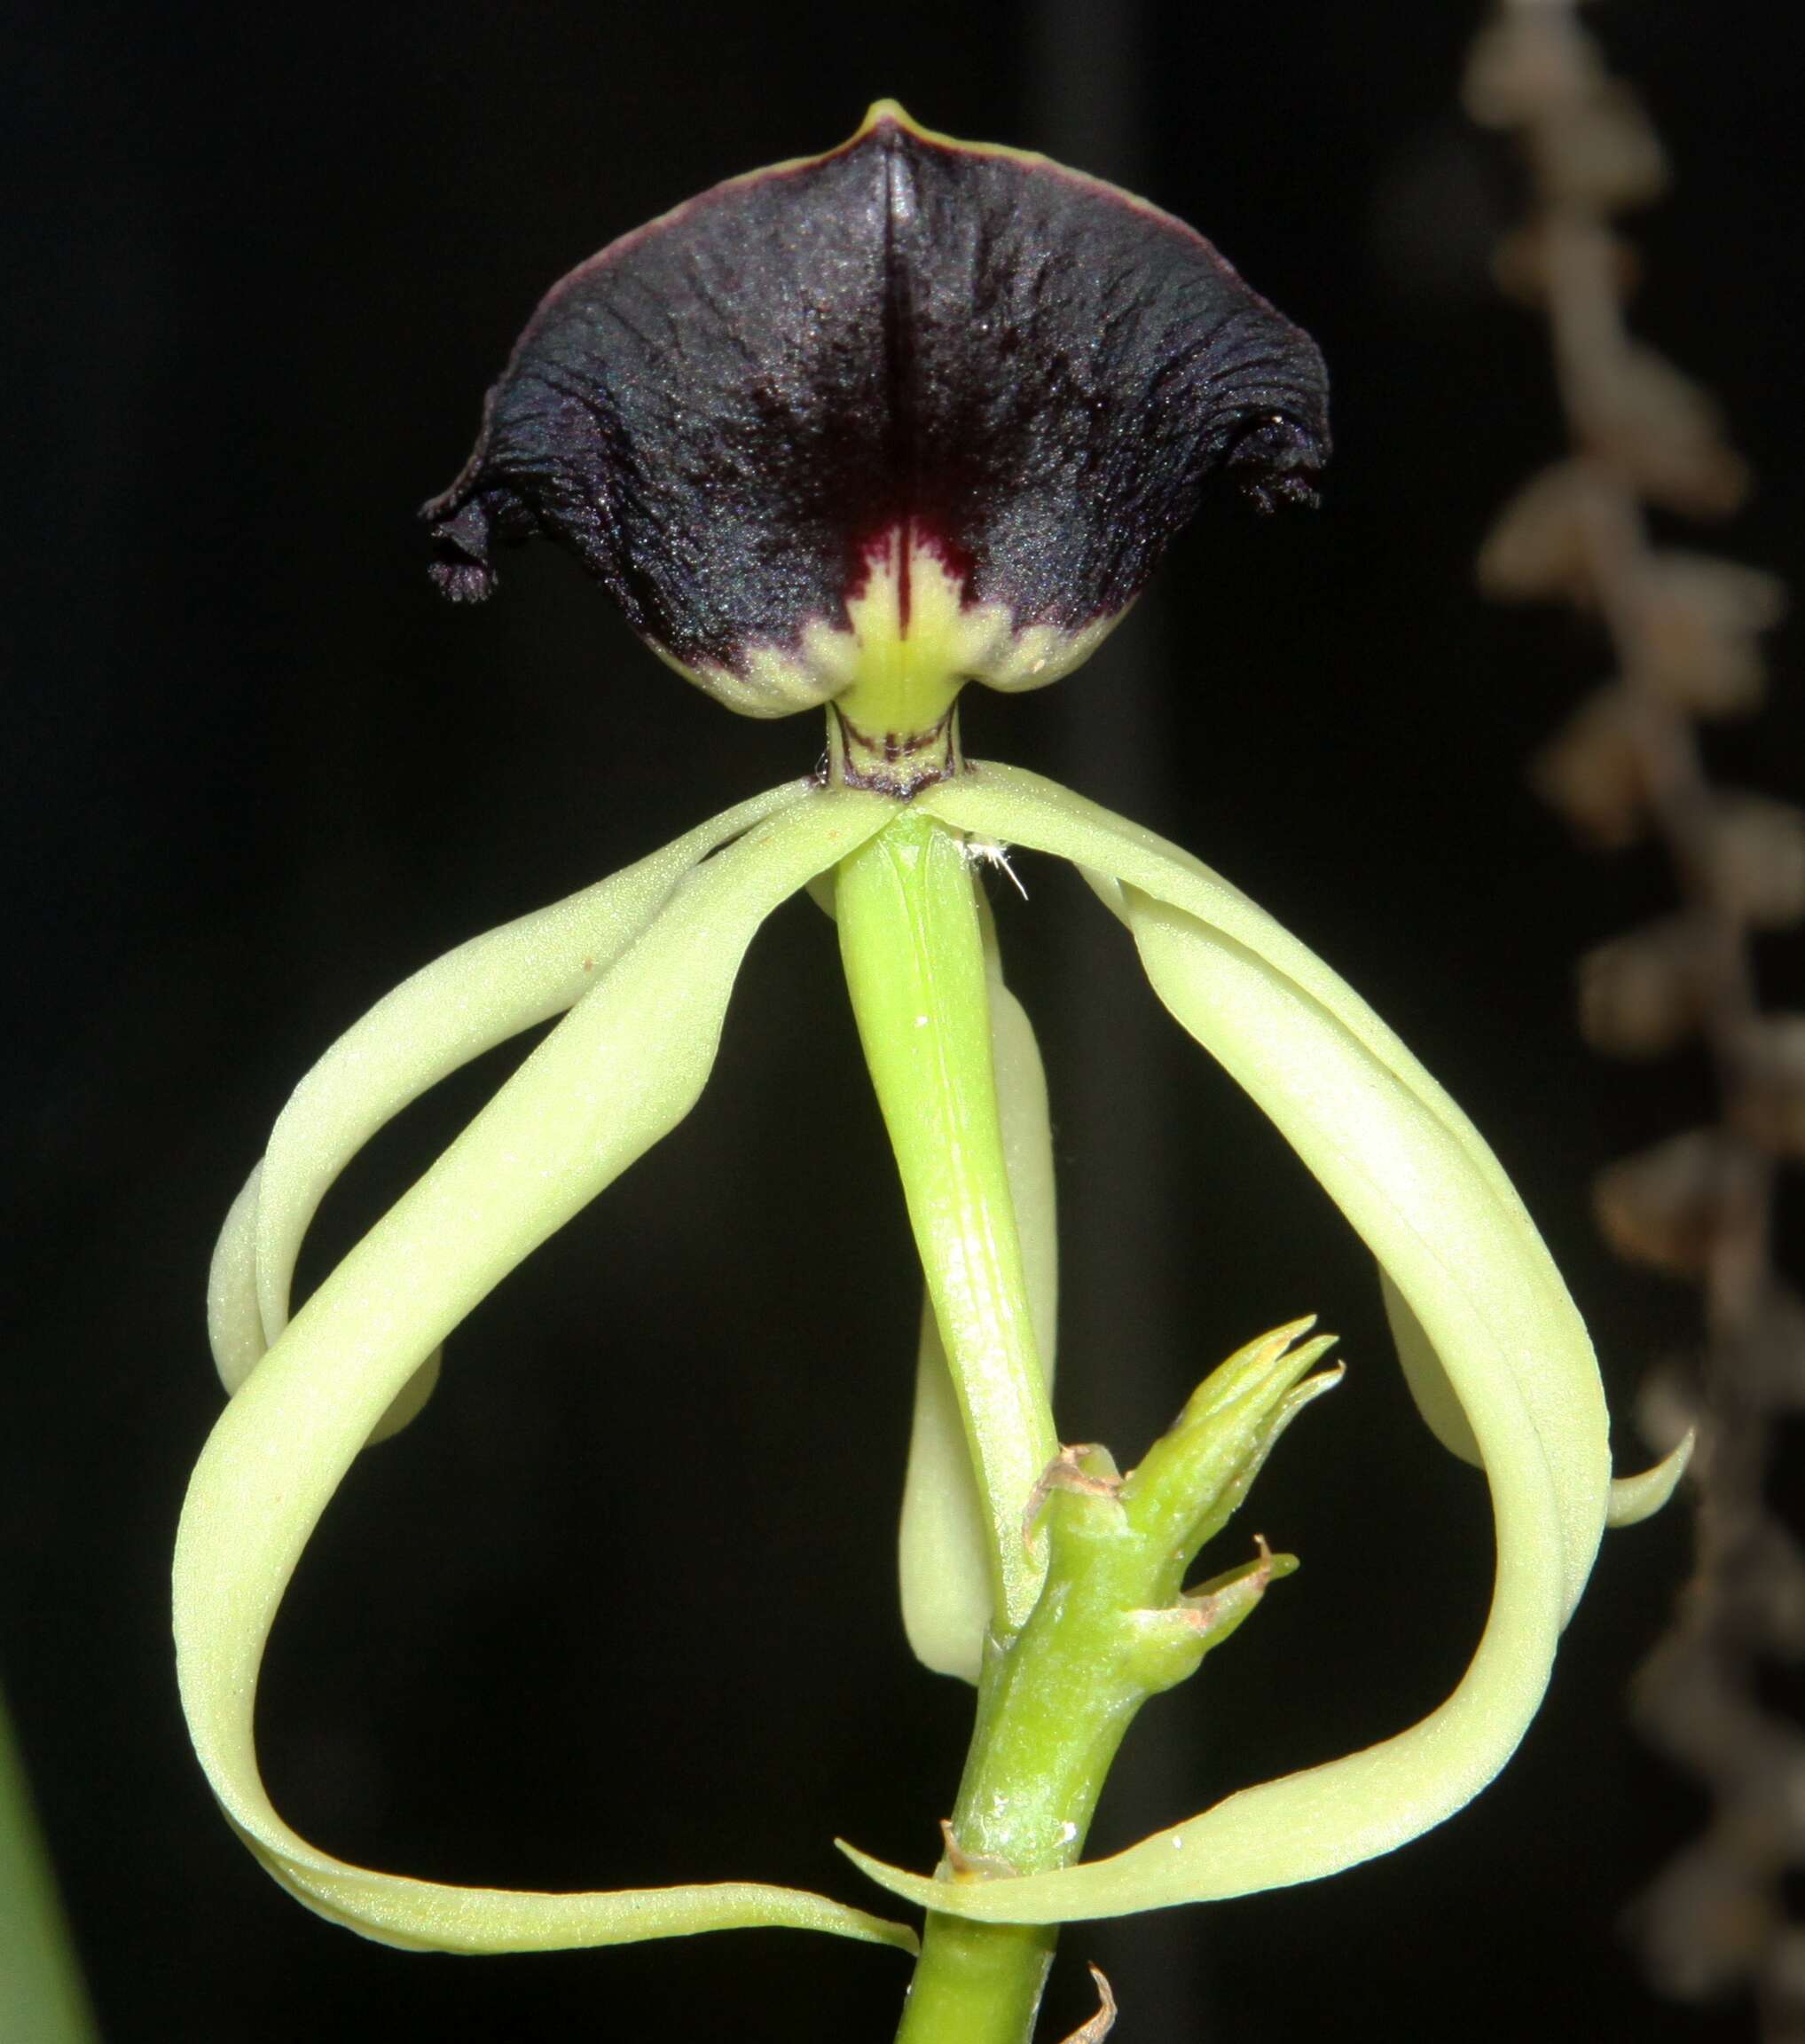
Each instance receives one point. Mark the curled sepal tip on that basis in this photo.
(616, 1075)
(1634, 1498)
(1416, 1180)
(1629, 1500)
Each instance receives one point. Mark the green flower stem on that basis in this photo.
(913, 945)
(978, 1982)
(1052, 1710)
(1113, 1627)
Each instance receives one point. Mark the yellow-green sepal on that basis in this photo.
(616, 1075)
(451, 1010)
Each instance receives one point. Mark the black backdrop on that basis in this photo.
(619, 1609)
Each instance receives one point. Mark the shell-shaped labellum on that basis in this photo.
(913, 402)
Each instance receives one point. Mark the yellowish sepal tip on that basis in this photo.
(1634, 1498)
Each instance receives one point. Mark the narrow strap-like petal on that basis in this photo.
(234, 1321)
(449, 1012)
(942, 1560)
(614, 1076)
(1417, 1184)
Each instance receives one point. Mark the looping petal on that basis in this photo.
(1416, 1180)
(1634, 1498)
(1024, 809)
(613, 1077)
(446, 1014)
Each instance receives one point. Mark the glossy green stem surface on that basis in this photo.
(1050, 1718)
(1113, 1627)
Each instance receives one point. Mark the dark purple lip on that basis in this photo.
(1029, 373)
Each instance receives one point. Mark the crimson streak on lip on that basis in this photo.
(1026, 371)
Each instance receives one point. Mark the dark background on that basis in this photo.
(619, 1609)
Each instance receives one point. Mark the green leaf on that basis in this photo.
(620, 1072)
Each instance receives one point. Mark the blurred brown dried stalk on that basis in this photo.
(1682, 629)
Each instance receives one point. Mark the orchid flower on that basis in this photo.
(854, 432)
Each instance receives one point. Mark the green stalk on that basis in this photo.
(1049, 1721)
(1114, 1626)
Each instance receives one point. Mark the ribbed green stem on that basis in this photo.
(1111, 1630)
(978, 1982)
(1052, 1709)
